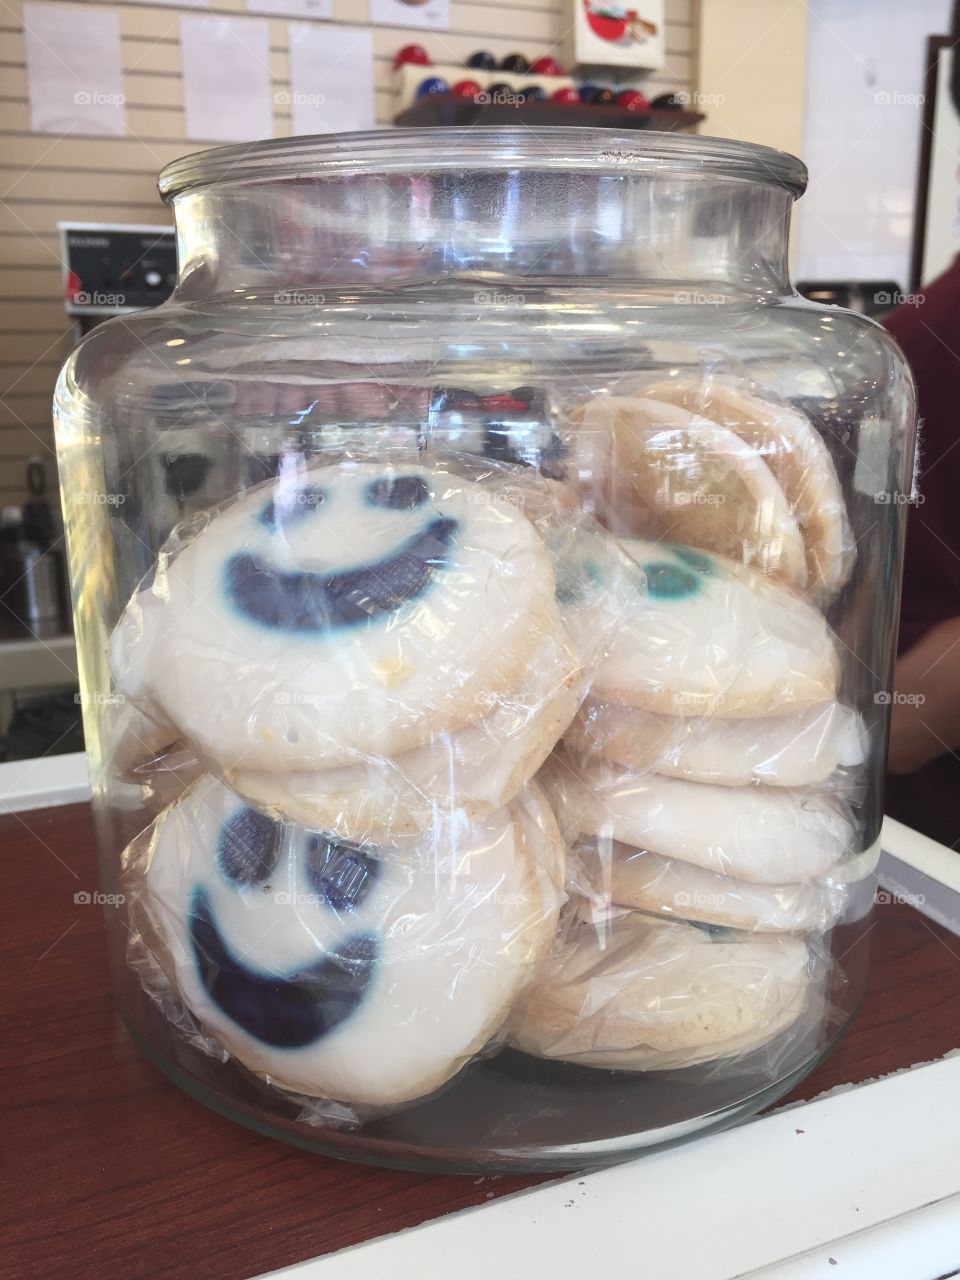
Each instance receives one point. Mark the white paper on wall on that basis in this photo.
(74, 75)
(331, 78)
(863, 112)
(226, 78)
(434, 14)
(180, 4)
(293, 8)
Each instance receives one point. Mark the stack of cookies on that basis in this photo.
(704, 785)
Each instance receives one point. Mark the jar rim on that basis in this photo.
(521, 147)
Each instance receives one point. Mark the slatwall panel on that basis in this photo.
(45, 179)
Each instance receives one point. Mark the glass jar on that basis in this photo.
(485, 574)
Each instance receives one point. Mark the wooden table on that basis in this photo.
(111, 1171)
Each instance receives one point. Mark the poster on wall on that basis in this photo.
(600, 32)
(331, 79)
(434, 14)
(227, 93)
(937, 231)
(74, 75)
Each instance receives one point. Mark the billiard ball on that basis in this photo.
(466, 89)
(415, 54)
(545, 67)
(633, 100)
(502, 90)
(534, 94)
(586, 90)
(602, 98)
(568, 95)
(515, 62)
(481, 61)
(667, 102)
(433, 84)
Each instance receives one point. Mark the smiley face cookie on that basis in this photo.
(712, 638)
(333, 972)
(476, 770)
(796, 750)
(645, 994)
(656, 469)
(351, 611)
(764, 835)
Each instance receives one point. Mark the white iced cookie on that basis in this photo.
(766, 835)
(656, 469)
(796, 750)
(352, 610)
(714, 638)
(334, 973)
(477, 769)
(796, 455)
(643, 994)
(645, 881)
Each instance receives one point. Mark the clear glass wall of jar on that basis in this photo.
(485, 574)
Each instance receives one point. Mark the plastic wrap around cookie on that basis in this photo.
(362, 643)
(327, 971)
(632, 993)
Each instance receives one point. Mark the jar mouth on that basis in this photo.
(515, 147)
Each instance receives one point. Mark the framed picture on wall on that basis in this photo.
(936, 234)
(621, 35)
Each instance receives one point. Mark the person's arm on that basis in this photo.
(925, 719)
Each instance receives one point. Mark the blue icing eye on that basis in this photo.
(249, 847)
(667, 581)
(401, 493)
(697, 560)
(575, 580)
(316, 602)
(287, 1011)
(340, 872)
(290, 507)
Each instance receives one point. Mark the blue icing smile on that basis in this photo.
(402, 493)
(291, 507)
(316, 602)
(340, 872)
(249, 847)
(286, 1012)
